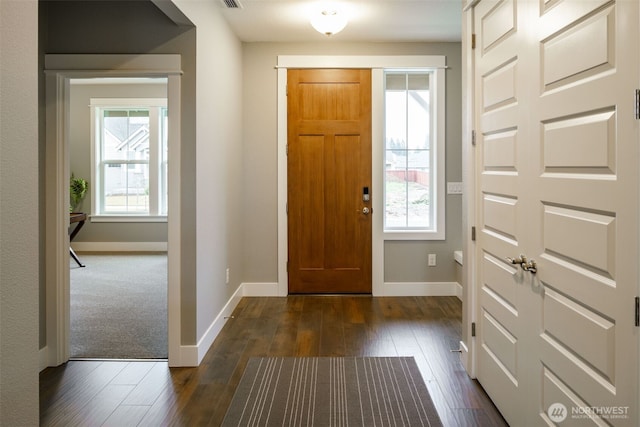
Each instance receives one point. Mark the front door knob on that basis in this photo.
(366, 210)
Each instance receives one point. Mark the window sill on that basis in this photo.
(413, 235)
(127, 218)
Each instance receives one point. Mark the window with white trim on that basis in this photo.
(130, 158)
(414, 153)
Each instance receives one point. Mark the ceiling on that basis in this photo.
(369, 20)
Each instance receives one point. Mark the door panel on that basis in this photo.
(558, 177)
(498, 93)
(587, 337)
(329, 164)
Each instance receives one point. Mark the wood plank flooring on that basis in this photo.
(121, 393)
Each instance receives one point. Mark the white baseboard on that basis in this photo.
(212, 332)
(406, 289)
(192, 355)
(188, 357)
(260, 289)
(119, 246)
(389, 289)
(43, 358)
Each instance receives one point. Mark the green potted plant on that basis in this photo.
(78, 189)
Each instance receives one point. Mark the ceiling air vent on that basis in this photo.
(232, 4)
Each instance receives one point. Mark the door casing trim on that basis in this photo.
(60, 69)
(376, 64)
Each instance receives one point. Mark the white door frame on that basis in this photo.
(60, 69)
(469, 290)
(638, 196)
(377, 64)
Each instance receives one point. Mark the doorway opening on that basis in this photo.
(118, 280)
(60, 71)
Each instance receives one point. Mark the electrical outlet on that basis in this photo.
(432, 260)
(227, 282)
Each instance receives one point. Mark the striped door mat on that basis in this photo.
(332, 391)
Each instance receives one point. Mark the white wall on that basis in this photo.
(219, 160)
(19, 246)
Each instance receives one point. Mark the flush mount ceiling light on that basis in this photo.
(329, 22)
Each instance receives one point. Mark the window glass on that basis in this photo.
(408, 156)
(126, 188)
(131, 157)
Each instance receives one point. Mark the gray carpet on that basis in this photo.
(332, 391)
(119, 307)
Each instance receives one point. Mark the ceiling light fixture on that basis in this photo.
(329, 22)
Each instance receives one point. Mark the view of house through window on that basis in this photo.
(130, 156)
(409, 163)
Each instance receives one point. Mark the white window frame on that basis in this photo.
(155, 159)
(437, 94)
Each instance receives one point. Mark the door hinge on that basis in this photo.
(473, 41)
(637, 104)
(473, 138)
(473, 233)
(287, 149)
(637, 320)
(473, 329)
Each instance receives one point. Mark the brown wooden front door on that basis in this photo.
(329, 166)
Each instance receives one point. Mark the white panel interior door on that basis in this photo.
(586, 193)
(557, 161)
(501, 129)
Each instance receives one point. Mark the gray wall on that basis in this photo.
(404, 261)
(80, 160)
(219, 169)
(19, 213)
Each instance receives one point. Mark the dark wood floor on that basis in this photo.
(120, 393)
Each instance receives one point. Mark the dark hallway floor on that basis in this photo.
(121, 393)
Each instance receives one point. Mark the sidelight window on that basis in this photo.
(413, 154)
